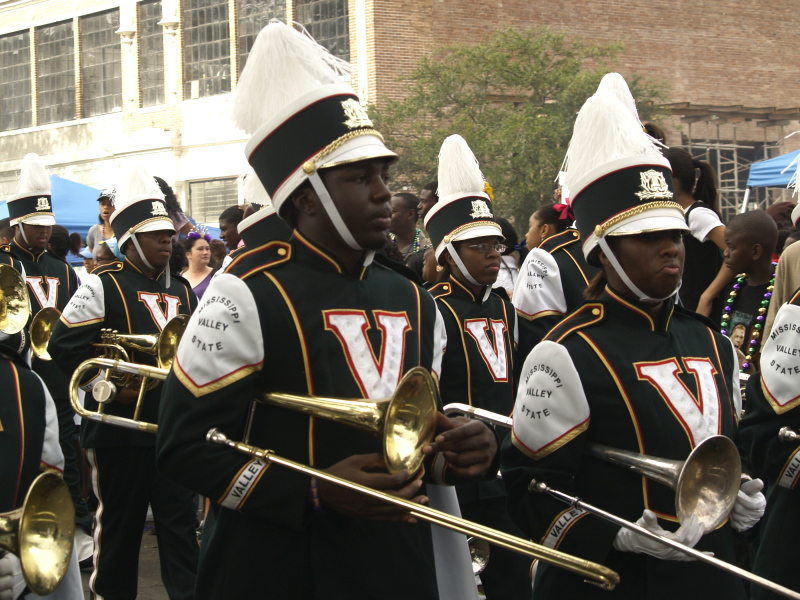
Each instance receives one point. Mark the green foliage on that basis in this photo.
(513, 98)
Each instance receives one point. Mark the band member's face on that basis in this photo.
(229, 233)
(360, 193)
(37, 236)
(156, 246)
(535, 234)
(653, 261)
(483, 266)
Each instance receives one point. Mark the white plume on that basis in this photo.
(33, 175)
(283, 65)
(459, 172)
(253, 191)
(136, 181)
(615, 83)
(604, 131)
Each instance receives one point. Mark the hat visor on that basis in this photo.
(34, 219)
(656, 219)
(481, 230)
(86, 253)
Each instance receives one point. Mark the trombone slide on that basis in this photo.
(540, 487)
(593, 572)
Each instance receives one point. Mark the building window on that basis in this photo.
(253, 16)
(101, 76)
(327, 22)
(206, 41)
(55, 79)
(15, 81)
(207, 199)
(151, 53)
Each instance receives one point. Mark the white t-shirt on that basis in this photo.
(702, 221)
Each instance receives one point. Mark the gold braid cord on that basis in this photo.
(311, 165)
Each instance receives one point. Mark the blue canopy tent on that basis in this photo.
(772, 172)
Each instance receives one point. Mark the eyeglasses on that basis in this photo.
(484, 247)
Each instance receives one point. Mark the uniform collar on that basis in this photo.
(25, 253)
(309, 253)
(459, 287)
(126, 264)
(619, 306)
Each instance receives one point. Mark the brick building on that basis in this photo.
(90, 84)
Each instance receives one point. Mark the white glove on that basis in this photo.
(11, 581)
(749, 506)
(688, 534)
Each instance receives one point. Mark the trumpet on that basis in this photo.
(120, 373)
(15, 309)
(706, 484)
(41, 533)
(593, 572)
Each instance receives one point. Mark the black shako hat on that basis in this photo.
(464, 209)
(32, 204)
(619, 181)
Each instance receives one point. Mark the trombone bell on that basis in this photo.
(706, 483)
(406, 421)
(41, 533)
(41, 328)
(14, 306)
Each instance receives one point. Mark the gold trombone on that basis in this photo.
(706, 484)
(593, 572)
(40, 533)
(406, 421)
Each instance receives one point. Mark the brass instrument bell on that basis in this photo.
(15, 307)
(41, 328)
(406, 420)
(41, 533)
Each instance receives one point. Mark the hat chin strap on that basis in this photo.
(457, 259)
(24, 237)
(335, 217)
(643, 298)
(330, 208)
(147, 262)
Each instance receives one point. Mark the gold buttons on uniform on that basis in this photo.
(595, 311)
(282, 251)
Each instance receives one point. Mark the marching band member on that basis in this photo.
(134, 296)
(481, 327)
(772, 403)
(29, 444)
(51, 283)
(628, 369)
(317, 317)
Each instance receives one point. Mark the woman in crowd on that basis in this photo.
(705, 275)
(197, 248)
